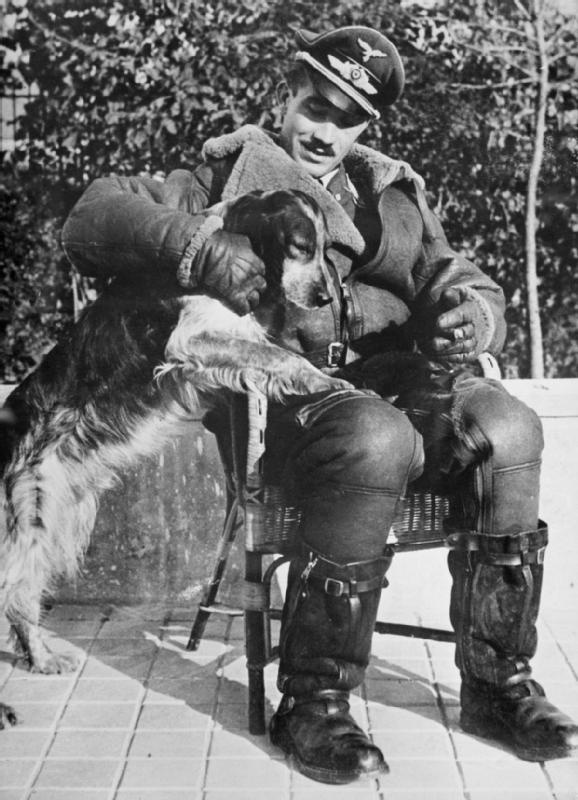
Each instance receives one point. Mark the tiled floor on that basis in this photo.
(143, 719)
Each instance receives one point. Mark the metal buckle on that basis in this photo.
(334, 353)
(338, 587)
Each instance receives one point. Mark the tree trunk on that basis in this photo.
(534, 324)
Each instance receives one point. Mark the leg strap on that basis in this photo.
(510, 550)
(345, 580)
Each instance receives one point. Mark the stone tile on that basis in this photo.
(62, 611)
(16, 773)
(423, 793)
(247, 794)
(401, 693)
(233, 692)
(97, 690)
(198, 690)
(78, 628)
(69, 646)
(38, 689)
(136, 667)
(158, 794)
(99, 715)
(232, 717)
(13, 794)
(159, 716)
(398, 669)
(444, 669)
(474, 748)
(89, 744)
(418, 718)
(414, 744)
(502, 775)
(107, 648)
(510, 794)
(362, 790)
(37, 716)
(242, 773)
(228, 744)
(402, 647)
(78, 773)
(6, 668)
(431, 775)
(162, 773)
(168, 744)
(174, 693)
(564, 775)
(15, 743)
(70, 794)
(129, 629)
(449, 692)
(564, 695)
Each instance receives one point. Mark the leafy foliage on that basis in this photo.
(129, 86)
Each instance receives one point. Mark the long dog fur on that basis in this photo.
(94, 405)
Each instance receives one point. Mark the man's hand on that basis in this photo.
(457, 329)
(227, 266)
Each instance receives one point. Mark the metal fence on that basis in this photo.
(13, 106)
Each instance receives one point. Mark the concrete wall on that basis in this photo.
(156, 532)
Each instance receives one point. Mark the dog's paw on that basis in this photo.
(54, 664)
(8, 716)
(338, 384)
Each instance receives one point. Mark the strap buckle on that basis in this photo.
(334, 588)
(334, 353)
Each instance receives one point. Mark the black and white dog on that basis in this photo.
(137, 362)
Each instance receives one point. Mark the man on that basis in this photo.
(348, 456)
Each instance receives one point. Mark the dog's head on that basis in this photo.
(288, 232)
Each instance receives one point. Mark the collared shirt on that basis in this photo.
(364, 216)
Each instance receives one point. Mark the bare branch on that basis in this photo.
(49, 33)
(523, 10)
(553, 39)
(560, 56)
(490, 86)
(501, 28)
(507, 49)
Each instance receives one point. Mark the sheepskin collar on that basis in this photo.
(262, 164)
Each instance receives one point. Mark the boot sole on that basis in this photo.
(489, 729)
(319, 773)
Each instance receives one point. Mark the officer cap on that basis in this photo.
(359, 61)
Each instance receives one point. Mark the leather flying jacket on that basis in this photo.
(132, 226)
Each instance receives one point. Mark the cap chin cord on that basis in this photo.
(345, 87)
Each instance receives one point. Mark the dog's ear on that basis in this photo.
(247, 215)
(292, 225)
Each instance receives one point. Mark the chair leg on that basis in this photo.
(255, 643)
(204, 611)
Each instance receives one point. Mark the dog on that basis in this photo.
(138, 362)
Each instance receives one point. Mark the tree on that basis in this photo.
(129, 86)
(532, 51)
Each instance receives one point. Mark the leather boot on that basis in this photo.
(325, 644)
(494, 606)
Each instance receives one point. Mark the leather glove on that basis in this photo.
(457, 328)
(224, 264)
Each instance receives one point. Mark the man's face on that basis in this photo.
(317, 134)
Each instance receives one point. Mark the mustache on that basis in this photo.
(317, 144)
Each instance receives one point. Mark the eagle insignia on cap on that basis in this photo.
(368, 51)
(353, 73)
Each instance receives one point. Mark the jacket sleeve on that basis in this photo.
(127, 225)
(440, 267)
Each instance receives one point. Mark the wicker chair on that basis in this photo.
(270, 525)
